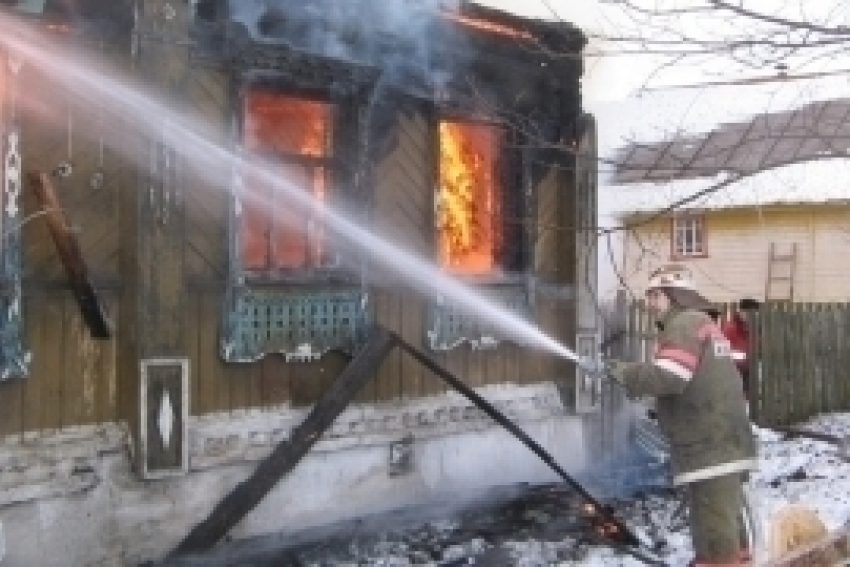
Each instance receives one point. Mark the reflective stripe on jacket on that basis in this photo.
(699, 404)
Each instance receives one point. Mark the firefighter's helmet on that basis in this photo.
(672, 276)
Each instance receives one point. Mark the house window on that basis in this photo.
(295, 132)
(469, 211)
(689, 236)
(479, 199)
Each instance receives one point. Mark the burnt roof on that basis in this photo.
(811, 132)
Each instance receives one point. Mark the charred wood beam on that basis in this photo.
(600, 514)
(246, 495)
(72, 258)
(842, 443)
(289, 452)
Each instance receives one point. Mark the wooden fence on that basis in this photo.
(800, 361)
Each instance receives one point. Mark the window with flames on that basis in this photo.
(296, 133)
(469, 212)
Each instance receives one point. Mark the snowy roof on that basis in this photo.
(825, 181)
(664, 147)
(811, 132)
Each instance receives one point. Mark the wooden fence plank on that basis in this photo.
(844, 349)
(754, 366)
(800, 361)
(768, 385)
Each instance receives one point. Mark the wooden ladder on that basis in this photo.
(781, 271)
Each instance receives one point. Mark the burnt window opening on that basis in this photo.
(470, 190)
(480, 232)
(289, 292)
(479, 228)
(295, 132)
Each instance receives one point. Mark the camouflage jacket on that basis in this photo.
(699, 402)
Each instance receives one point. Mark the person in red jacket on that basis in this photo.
(737, 333)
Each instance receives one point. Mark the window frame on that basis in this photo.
(511, 195)
(675, 227)
(308, 273)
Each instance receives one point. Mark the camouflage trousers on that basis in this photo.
(717, 525)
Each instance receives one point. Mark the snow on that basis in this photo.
(663, 115)
(796, 184)
(540, 525)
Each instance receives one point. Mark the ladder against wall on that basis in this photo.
(781, 271)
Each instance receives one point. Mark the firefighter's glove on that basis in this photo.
(617, 371)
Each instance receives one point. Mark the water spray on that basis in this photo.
(146, 116)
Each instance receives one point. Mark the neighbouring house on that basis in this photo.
(755, 208)
(456, 131)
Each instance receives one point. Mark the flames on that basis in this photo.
(467, 212)
(488, 26)
(286, 124)
(297, 130)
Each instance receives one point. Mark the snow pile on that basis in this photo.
(541, 525)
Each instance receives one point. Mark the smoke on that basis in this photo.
(143, 115)
(408, 40)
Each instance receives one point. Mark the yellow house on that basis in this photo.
(755, 209)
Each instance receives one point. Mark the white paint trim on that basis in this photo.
(674, 368)
(738, 355)
(715, 471)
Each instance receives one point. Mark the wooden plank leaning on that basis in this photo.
(72, 258)
(247, 494)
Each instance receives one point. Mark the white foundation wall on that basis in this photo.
(69, 497)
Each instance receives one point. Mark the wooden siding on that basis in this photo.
(72, 377)
(71, 134)
(75, 380)
(738, 242)
(207, 93)
(402, 211)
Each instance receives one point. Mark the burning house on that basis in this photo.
(226, 312)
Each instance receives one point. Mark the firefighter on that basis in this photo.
(712, 446)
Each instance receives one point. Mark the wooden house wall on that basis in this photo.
(72, 378)
(76, 380)
(402, 208)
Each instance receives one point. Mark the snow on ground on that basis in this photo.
(537, 526)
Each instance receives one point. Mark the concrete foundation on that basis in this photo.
(69, 497)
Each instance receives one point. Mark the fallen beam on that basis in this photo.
(615, 531)
(72, 258)
(842, 443)
(247, 494)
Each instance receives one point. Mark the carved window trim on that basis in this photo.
(14, 358)
(299, 313)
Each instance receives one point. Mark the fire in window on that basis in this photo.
(689, 236)
(468, 210)
(296, 133)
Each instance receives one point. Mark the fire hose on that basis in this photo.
(606, 526)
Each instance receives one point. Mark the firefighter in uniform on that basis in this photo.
(693, 377)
